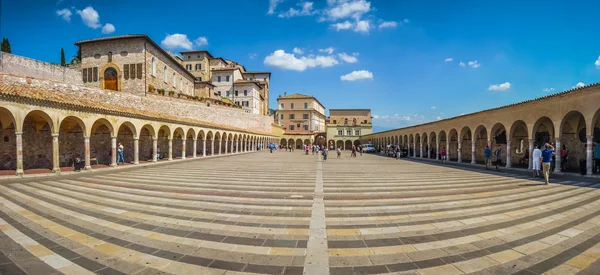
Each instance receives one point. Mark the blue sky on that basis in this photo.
(394, 54)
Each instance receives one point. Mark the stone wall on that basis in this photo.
(213, 114)
(18, 65)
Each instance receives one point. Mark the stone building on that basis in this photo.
(263, 78)
(570, 120)
(303, 119)
(132, 63)
(346, 126)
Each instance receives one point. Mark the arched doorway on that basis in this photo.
(146, 143)
(453, 145)
(466, 141)
(71, 141)
(481, 141)
(498, 137)
(433, 150)
(125, 136)
(299, 144)
(573, 138)
(164, 134)
(111, 79)
(348, 145)
(8, 144)
(339, 144)
(101, 143)
(519, 139)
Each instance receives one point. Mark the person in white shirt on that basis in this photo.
(536, 157)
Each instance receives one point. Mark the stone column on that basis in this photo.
(239, 149)
(195, 147)
(558, 156)
(428, 150)
(19, 141)
(217, 141)
(414, 149)
(530, 152)
(508, 154)
(437, 150)
(459, 150)
(204, 147)
(226, 142)
(113, 155)
(473, 150)
(136, 151)
(55, 155)
(87, 154)
(154, 149)
(447, 148)
(170, 149)
(589, 161)
(183, 149)
(489, 143)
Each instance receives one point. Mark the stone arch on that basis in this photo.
(200, 142)
(71, 140)
(217, 143)
(573, 138)
(209, 142)
(38, 129)
(126, 133)
(466, 141)
(418, 142)
(357, 143)
(146, 142)
(101, 134)
(425, 141)
(480, 136)
(307, 142)
(520, 144)
(229, 142)
(348, 145)
(595, 126)
(433, 149)
(283, 142)
(299, 143)
(442, 139)
(292, 143)
(543, 131)
(119, 76)
(177, 142)
(235, 143)
(453, 139)
(405, 143)
(164, 134)
(8, 144)
(411, 145)
(339, 144)
(190, 139)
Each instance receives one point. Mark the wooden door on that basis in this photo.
(111, 81)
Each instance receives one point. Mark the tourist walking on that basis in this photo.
(339, 152)
(498, 155)
(546, 159)
(564, 155)
(353, 154)
(443, 154)
(361, 149)
(325, 153)
(397, 152)
(488, 154)
(120, 154)
(536, 158)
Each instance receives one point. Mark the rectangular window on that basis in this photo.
(139, 70)
(226, 78)
(85, 76)
(132, 71)
(357, 132)
(306, 127)
(245, 92)
(281, 105)
(95, 74)
(291, 116)
(227, 94)
(90, 75)
(292, 106)
(198, 67)
(199, 78)
(126, 71)
(218, 78)
(188, 67)
(236, 93)
(349, 132)
(292, 127)
(281, 116)
(304, 116)
(219, 93)
(305, 105)
(334, 121)
(340, 132)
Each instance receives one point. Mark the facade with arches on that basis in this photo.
(346, 126)
(570, 120)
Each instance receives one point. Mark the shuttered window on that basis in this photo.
(126, 71)
(132, 71)
(95, 74)
(84, 73)
(139, 70)
(90, 76)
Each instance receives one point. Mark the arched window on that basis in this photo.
(153, 66)
(166, 75)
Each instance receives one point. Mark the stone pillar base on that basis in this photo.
(136, 162)
(19, 172)
(56, 171)
(88, 167)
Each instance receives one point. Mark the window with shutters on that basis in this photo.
(166, 75)
(218, 78)
(227, 78)
(340, 132)
(198, 67)
(305, 127)
(90, 75)
(292, 127)
(139, 70)
(292, 116)
(84, 73)
(174, 81)
(95, 74)
(245, 92)
(236, 93)
(126, 71)
(304, 116)
(153, 66)
(188, 67)
(132, 71)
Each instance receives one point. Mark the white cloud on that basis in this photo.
(438, 118)
(387, 24)
(597, 63)
(348, 58)
(474, 64)
(177, 40)
(362, 26)
(298, 50)
(462, 64)
(272, 5)
(347, 8)
(307, 9)
(201, 41)
(346, 25)
(579, 85)
(357, 75)
(432, 107)
(450, 60)
(499, 87)
(90, 17)
(327, 50)
(548, 90)
(108, 28)
(65, 14)
(252, 55)
(288, 61)
(405, 21)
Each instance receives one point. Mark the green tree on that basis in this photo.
(5, 47)
(63, 62)
(77, 58)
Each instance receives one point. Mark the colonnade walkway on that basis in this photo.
(288, 213)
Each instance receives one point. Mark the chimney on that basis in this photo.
(284, 93)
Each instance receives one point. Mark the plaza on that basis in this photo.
(289, 213)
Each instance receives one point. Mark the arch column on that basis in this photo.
(136, 150)
(183, 143)
(154, 149)
(19, 141)
(204, 147)
(474, 139)
(459, 145)
(238, 149)
(531, 141)
(588, 150)
(428, 150)
(414, 148)
(212, 146)
(508, 153)
(195, 147)
(437, 150)
(86, 145)
(113, 155)
(558, 159)
(55, 155)
(447, 147)
(226, 141)
(170, 148)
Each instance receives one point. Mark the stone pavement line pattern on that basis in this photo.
(317, 258)
(273, 214)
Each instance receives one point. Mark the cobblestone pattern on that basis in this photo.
(252, 216)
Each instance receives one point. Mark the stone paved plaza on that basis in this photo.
(287, 213)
